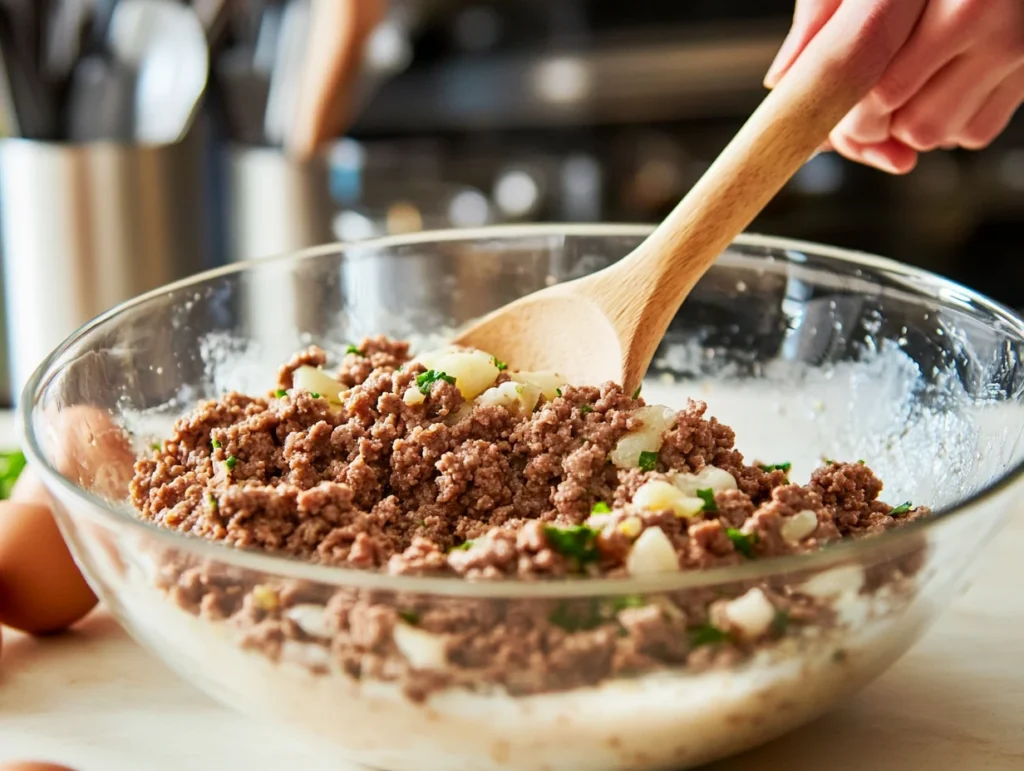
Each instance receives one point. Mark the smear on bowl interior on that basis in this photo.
(451, 464)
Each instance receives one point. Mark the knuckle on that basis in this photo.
(977, 137)
(920, 133)
(891, 91)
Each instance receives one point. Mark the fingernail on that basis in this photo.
(878, 160)
(781, 60)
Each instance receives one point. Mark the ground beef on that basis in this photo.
(436, 486)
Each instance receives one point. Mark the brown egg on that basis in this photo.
(41, 588)
(30, 489)
(88, 448)
(28, 765)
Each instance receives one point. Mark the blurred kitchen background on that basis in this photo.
(151, 141)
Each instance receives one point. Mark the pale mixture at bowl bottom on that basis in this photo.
(668, 720)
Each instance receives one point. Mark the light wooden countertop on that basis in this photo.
(95, 700)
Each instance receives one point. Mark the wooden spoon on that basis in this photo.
(339, 30)
(607, 326)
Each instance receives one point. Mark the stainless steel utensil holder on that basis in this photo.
(85, 227)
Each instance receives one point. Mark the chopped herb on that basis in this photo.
(426, 379)
(464, 546)
(409, 616)
(230, 462)
(156, 446)
(903, 508)
(212, 501)
(215, 444)
(636, 393)
(627, 601)
(829, 461)
(11, 465)
(647, 461)
(743, 542)
(280, 392)
(558, 391)
(585, 409)
(708, 496)
(706, 634)
(776, 467)
(601, 508)
(862, 462)
(780, 623)
(314, 394)
(502, 366)
(578, 542)
(353, 349)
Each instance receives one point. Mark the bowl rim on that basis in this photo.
(890, 544)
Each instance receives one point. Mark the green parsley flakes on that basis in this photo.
(636, 393)
(425, 380)
(502, 366)
(706, 634)
(464, 546)
(601, 508)
(11, 465)
(627, 601)
(708, 496)
(578, 542)
(743, 542)
(558, 391)
(780, 623)
(215, 444)
(903, 508)
(769, 468)
(210, 499)
(647, 461)
(230, 462)
(584, 409)
(314, 394)
(409, 616)
(280, 392)
(353, 349)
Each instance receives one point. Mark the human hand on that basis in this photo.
(955, 81)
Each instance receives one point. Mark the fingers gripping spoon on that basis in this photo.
(607, 326)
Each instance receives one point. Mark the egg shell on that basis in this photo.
(41, 588)
(91, 450)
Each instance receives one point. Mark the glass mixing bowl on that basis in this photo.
(809, 352)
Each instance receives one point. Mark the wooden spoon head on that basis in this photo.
(553, 329)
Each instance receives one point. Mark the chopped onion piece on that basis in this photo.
(315, 380)
(708, 478)
(413, 396)
(832, 583)
(647, 438)
(751, 614)
(474, 371)
(310, 619)
(658, 495)
(631, 526)
(517, 398)
(422, 650)
(548, 383)
(652, 553)
(799, 526)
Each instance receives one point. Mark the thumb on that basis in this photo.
(808, 19)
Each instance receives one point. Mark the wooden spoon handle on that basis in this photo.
(833, 74)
